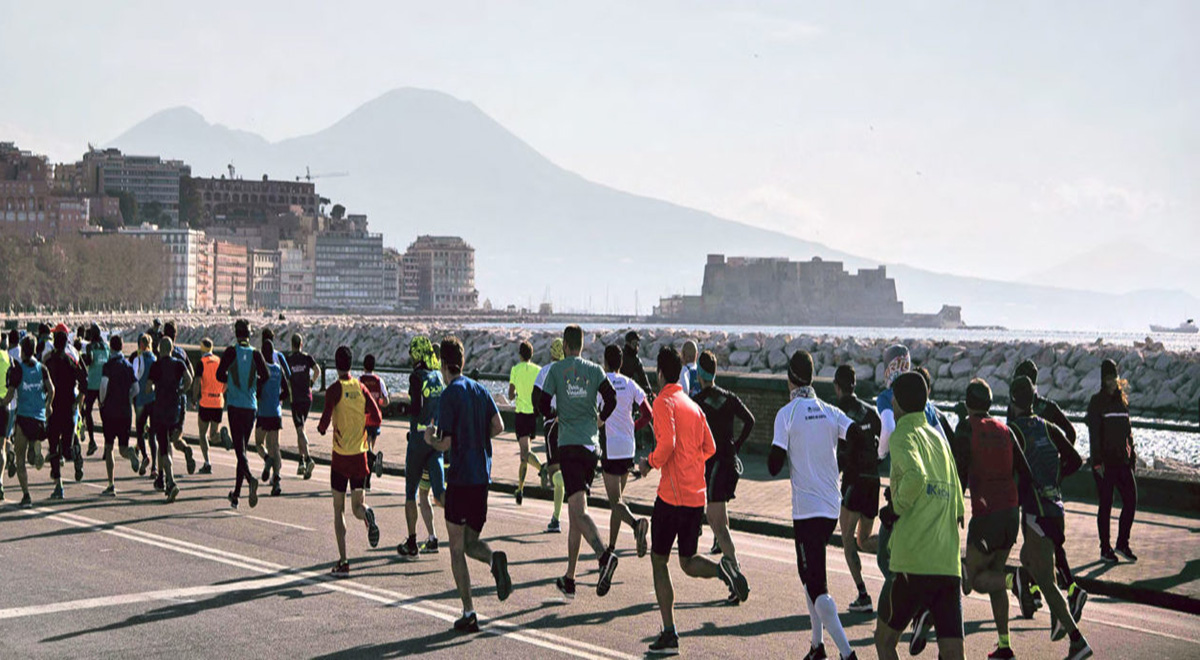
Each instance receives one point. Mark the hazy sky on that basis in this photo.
(986, 138)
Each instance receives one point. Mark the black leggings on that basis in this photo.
(241, 426)
(812, 535)
(89, 404)
(140, 424)
(1119, 477)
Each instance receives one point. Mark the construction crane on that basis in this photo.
(309, 176)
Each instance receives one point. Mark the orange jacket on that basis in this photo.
(684, 443)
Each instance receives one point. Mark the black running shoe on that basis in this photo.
(715, 549)
(566, 586)
(1021, 590)
(966, 584)
(226, 439)
(641, 532)
(341, 569)
(172, 492)
(144, 466)
(920, 631)
(429, 546)
(816, 653)
(379, 464)
(309, 464)
(372, 528)
(500, 573)
(266, 473)
(131, 455)
(1058, 629)
(1005, 653)
(276, 491)
(608, 566)
(78, 466)
(666, 644)
(1108, 556)
(205, 469)
(1079, 650)
(190, 459)
(92, 447)
(12, 463)
(409, 548)
(300, 468)
(469, 623)
(26, 502)
(1077, 600)
(520, 496)
(553, 527)
(159, 483)
(57, 493)
(1125, 552)
(233, 500)
(253, 493)
(732, 575)
(862, 604)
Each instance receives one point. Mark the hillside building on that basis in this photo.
(30, 203)
(438, 275)
(295, 276)
(349, 271)
(231, 276)
(150, 179)
(236, 201)
(265, 278)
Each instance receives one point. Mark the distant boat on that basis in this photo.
(1187, 328)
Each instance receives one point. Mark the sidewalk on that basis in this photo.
(1168, 546)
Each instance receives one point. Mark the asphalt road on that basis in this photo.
(134, 576)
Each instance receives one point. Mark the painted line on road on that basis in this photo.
(229, 512)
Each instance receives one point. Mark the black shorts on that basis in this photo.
(1049, 527)
(940, 594)
(721, 479)
(90, 398)
(300, 410)
(861, 496)
(211, 415)
(3, 421)
(550, 430)
(34, 430)
(578, 465)
(617, 466)
(669, 522)
(61, 426)
(811, 536)
(339, 482)
(991, 532)
(116, 430)
(467, 505)
(269, 423)
(526, 424)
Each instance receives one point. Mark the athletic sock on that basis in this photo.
(533, 460)
(1071, 589)
(1008, 580)
(559, 491)
(815, 619)
(521, 477)
(862, 589)
(829, 619)
(1003, 643)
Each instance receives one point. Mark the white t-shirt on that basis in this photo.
(618, 428)
(809, 430)
(540, 383)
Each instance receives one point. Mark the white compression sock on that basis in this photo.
(815, 620)
(829, 617)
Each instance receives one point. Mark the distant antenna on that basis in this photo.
(232, 171)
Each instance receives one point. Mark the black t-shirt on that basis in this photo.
(69, 379)
(861, 459)
(722, 408)
(167, 375)
(301, 365)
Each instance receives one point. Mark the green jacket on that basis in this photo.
(928, 498)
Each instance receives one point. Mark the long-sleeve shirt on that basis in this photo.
(1110, 435)
(928, 497)
(631, 367)
(683, 443)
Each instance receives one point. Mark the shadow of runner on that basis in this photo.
(439, 641)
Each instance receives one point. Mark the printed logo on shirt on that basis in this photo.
(938, 490)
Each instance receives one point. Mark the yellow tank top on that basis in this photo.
(350, 420)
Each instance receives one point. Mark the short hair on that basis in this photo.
(60, 340)
(452, 353)
(927, 377)
(169, 329)
(28, 344)
(708, 362)
(979, 395)
(369, 362)
(1027, 368)
(573, 337)
(268, 333)
(115, 342)
(165, 346)
(206, 344)
(632, 335)
(241, 329)
(688, 352)
(14, 337)
(612, 357)
(297, 341)
(669, 364)
(800, 368)
(526, 351)
(342, 358)
(268, 349)
(845, 378)
(93, 332)
(911, 392)
(144, 340)
(1021, 393)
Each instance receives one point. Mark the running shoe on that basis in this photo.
(226, 439)
(372, 528)
(468, 623)
(1077, 600)
(641, 530)
(131, 456)
(1079, 650)
(266, 473)
(111, 491)
(159, 482)
(408, 548)
(144, 466)
(12, 463)
(862, 604)
(300, 468)
(379, 464)
(1058, 629)
(1001, 653)
(544, 477)
(666, 644)
(715, 549)
(1, 492)
(732, 575)
(172, 492)
(1127, 553)
(309, 465)
(276, 491)
(816, 653)
(233, 500)
(608, 566)
(1021, 591)
(853, 656)
(205, 469)
(341, 569)
(920, 630)
(26, 502)
(500, 573)
(57, 493)
(966, 584)
(1108, 556)
(1037, 597)
(520, 495)
(78, 467)
(190, 459)
(566, 586)
(429, 546)
(92, 446)
(553, 527)
(253, 493)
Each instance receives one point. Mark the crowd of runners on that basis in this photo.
(594, 418)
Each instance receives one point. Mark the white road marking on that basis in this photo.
(268, 520)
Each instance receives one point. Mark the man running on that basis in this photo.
(683, 443)
(241, 368)
(1051, 458)
(520, 391)
(142, 406)
(70, 381)
(806, 435)
(118, 389)
(721, 472)
(6, 452)
(467, 421)
(631, 367)
(616, 441)
(169, 378)
(989, 460)
(347, 406)
(688, 378)
(210, 397)
(95, 357)
(379, 393)
(574, 383)
(1113, 459)
(425, 387)
(925, 512)
(176, 432)
(29, 382)
(305, 372)
(550, 431)
(271, 394)
(860, 480)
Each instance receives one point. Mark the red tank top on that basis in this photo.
(991, 471)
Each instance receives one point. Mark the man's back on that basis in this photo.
(809, 429)
(465, 413)
(927, 496)
(684, 443)
(574, 382)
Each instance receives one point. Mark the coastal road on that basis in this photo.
(133, 576)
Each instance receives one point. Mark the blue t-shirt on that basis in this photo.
(119, 373)
(167, 374)
(269, 404)
(465, 414)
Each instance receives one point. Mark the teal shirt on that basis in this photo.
(575, 382)
(928, 498)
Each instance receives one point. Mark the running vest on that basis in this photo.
(269, 403)
(1045, 496)
(350, 420)
(145, 396)
(31, 398)
(431, 396)
(240, 386)
(990, 477)
(212, 391)
(863, 460)
(375, 387)
(5, 365)
(98, 354)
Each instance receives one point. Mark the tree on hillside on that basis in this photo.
(129, 206)
(152, 212)
(191, 205)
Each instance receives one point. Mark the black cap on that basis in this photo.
(632, 335)
(1108, 368)
(1021, 393)
(1027, 368)
(342, 358)
(800, 368)
(979, 395)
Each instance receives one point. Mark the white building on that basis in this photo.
(184, 267)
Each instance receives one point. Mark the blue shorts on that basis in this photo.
(419, 458)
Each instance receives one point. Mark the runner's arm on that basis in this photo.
(908, 477)
(1020, 463)
(544, 404)
(333, 394)
(960, 446)
(644, 416)
(103, 390)
(664, 434)
(609, 394)
(48, 387)
(743, 413)
(13, 382)
(227, 359)
(887, 424)
(779, 446)
(1095, 428)
(186, 382)
(497, 425)
(708, 445)
(80, 383)
(1055, 416)
(1068, 457)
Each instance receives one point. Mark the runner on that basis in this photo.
(271, 393)
(304, 373)
(550, 430)
(176, 431)
(943, 425)
(379, 393)
(575, 382)
(631, 367)
(989, 458)
(95, 357)
(29, 383)
(684, 443)
(520, 391)
(241, 368)
(1113, 458)
(14, 358)
(467, 421)
(860, 480)
(169, 379)
(721, 472)
(348, 404)
(926, 511)
(421, 461)
(688, 378)
(1051, 458)
(142, 406)
(210, 396)
(616, 441)
(155, 331)
(118, 389)
(807, 431)
(70, 381)
(7, 457)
